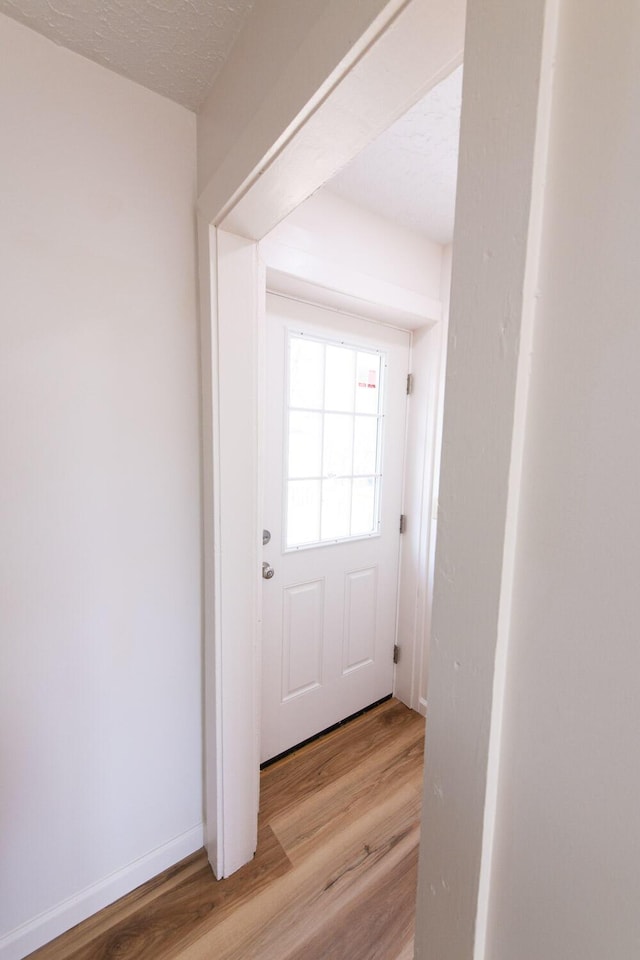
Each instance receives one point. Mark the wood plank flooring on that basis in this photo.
(334, 876)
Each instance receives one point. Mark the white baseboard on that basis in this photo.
(422, 708)
(35, 933)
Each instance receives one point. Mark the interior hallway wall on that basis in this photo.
(336, 232)
(337, 253)
(503, 138)
(566, 870)
(100, 580)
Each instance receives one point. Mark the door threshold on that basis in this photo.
(316, 736)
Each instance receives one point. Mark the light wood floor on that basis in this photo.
(334, 877)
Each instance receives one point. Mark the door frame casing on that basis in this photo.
(424, 40)
(410, 41)
(232, 296)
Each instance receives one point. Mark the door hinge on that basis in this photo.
(396, 653)
(409, 383)
(403, 522)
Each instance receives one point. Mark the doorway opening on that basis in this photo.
(500, 206)
(368, 253)
(241, 270)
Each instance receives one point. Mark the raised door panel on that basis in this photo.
(360, 615)
(303, 617)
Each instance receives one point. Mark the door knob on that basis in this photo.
(266, 536)
(267, 570)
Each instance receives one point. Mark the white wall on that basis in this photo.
(100, 620)
(341, 232)
(356, 261)
(284, 55)
(508, 63)
(566, 872)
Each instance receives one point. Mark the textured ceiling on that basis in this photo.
(409, 173)
(175, 47)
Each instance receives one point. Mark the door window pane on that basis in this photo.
(367, 382)
(306, 373)
(305, 444)
(363, 513)
(303, 512)
(336, 509)
(365, 445)
(340, 375)
(338, 445)
(334, 434)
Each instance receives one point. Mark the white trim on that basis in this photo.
(548, 47)
(317, 301)
(421, 39)
(422, 706)
(298, 274)
(424, 42)
(45, 927)
(417, 551)
(231, 337)
(237, 583)
(431, 475)
(213, 810)
(233, 180)
(493, 266)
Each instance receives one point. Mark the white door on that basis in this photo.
(335, 431)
